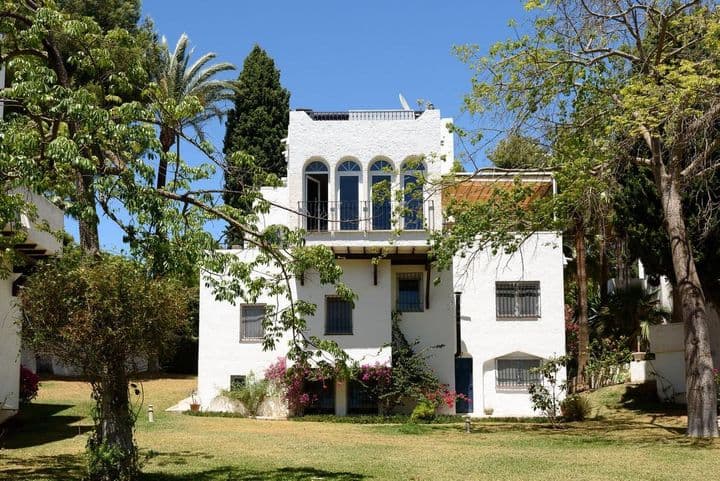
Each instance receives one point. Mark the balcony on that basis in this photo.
(354, 216)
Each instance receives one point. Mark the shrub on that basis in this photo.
(29, 385)
(424, 411)
(545, 394)
(575, 408)
(251, 394)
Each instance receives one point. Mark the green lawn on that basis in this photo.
(46, 443)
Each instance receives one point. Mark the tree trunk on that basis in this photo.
(167, 139)
(582, 303)
(604, 269)
(87, 225)
(114, 454)
(700, 383)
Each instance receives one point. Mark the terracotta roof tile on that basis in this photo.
(482, 190)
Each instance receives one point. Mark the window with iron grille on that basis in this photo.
(322, 396)
(409, 293)
(517, 299)
(338, 316)
(237, 381)
(360, 401)
(515, 373)
(251, 322)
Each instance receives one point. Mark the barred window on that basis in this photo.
(251, 322)
(409, 294)
(517, 299)
(360, 400)
(338, 316)
(515, 373)
(237, 381)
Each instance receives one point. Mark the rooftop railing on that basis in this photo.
(366, 115)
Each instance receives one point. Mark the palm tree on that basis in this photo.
(177, 87)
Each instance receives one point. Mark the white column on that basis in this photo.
(341, 398)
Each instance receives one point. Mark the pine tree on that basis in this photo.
(256, 125)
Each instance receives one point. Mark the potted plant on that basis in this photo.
(194, 402)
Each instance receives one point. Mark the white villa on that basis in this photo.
(496, 316)
(38, 243)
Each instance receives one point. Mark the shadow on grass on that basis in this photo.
(52, 468)
(38, 424)
(71, 467)
(230, 473)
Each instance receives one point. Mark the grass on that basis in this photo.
(627, 439)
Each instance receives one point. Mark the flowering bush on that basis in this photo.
(29, 385)
(443, 396)
(292, 382)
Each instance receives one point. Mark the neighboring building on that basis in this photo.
(511, 307)
(38, 243)
(667, 342)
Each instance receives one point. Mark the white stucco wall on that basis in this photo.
(9, 348)
(667, 342)
(223, 354)
(365, 141)
(486, 338)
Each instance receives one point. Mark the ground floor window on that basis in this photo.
(516, 373)
(359, 399)
(322, 397)
(237, 381)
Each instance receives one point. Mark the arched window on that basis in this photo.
(316, 196)
(349, 166)
(380, 194)
(315, 167)
(412, 183)
(349, 194)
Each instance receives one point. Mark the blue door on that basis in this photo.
(463, 384)
(380, 202)
(349, 205)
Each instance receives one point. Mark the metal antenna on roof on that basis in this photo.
(404, 103)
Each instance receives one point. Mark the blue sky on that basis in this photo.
(336, 55)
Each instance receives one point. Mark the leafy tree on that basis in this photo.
(108, 14)
(256, 125)
(644, 70)
(94, 142)
(100, 313)
(517, 151)
(181, 84)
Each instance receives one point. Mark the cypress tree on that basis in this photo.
(256, 125)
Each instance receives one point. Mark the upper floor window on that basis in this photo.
(315, 206)
(517, 299)
(412, 184)
(338, 316)
(251, 322)
(316, 166)
(380, 194)
(349, 166)
(409, 292)
(349, 195)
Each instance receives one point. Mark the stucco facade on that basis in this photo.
(333, 162)
(38, 242)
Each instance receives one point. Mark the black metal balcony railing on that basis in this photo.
(332, 216)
